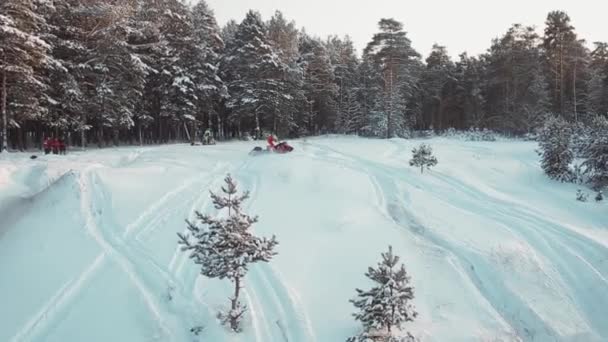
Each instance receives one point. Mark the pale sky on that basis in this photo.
(463, 25)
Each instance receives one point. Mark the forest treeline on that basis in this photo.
(108, 72)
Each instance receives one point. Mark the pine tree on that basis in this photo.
(22, 51)
(345, 63)
(599, 197)
(559, 38)
(209, 48)
(516, 87)
(251, 67)
(390, 50)
(581, 196)
(597, 101)
(439, 83)
(289, 97)
(319, 84)
(596, 165)
(350, 119)
(555, 151)
(383, 309)
(469, 72)
(423, 157)
(227, 248)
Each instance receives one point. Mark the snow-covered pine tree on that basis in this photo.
(319, 83)
(179, 64)
(469, 74)
(581, 196)
(599, 197)
(438, 83)
(227, 248)
(555, 151)
(391, 51)
(345, 63)
(21, 53)
(250, 68)
(289, 94)
(516, 87)
(383, 309)
(423, 157)
(210, 46)
(596, 165)
(64, 95)
(597, 99)
(350, 119)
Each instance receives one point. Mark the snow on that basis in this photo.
(495, 250)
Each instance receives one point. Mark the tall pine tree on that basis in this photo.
(391, 52)
(22, 52)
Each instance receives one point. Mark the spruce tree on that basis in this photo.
(209, 48)
(383, 309)
(289, 93)
(597, 101)
(596, 165)
(22, 52)
(250, 67)
(319, 83)
(555, 150)
(227, 248)
(423, 157)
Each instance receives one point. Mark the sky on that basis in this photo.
(463, 25)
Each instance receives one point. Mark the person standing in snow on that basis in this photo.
(47, 145)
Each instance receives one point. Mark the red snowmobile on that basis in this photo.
(280, 148)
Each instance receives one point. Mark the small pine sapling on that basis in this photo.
(386, 306)
(599, 197)
(423, 157)
(227, 247)
(581, 196)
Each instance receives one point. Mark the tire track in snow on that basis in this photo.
(516, 313)
(579, 269)
(290, 321)
(550, 238)
(158, 208)
(65, 298)
(56, 306)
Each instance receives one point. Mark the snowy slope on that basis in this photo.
(497, 252)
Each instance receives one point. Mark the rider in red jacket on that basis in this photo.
(271, 141)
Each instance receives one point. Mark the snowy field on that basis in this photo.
(496, 251)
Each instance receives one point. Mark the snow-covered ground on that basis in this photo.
(496, 251)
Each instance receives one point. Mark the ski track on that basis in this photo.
(56, 306)
(274, 309)
(116, 248)
(547, 237)
(272, 312)
(289, 322)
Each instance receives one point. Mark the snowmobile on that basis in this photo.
(280, 148)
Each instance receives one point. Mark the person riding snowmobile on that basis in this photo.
(271, 140)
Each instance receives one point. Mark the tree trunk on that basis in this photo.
(574, 90)
(234, 320)
(4, 114)
(141, 138)
(561, 76)
(83, 138)
(116, 136)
